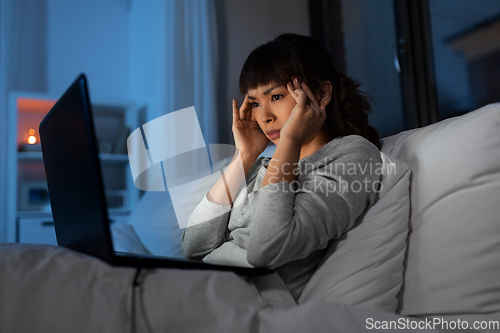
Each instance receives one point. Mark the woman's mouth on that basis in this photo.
(273, 134)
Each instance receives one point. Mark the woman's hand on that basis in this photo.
(307, 116)
(248, 138)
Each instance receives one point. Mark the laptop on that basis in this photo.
(76, 189)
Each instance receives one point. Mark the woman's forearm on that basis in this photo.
(283, 164)
(225, 190)
(200, 239)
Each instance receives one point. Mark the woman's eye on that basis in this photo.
(276, 97)
(254, 104)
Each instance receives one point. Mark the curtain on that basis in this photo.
(191, 62)
(23, 68)
(174, 66)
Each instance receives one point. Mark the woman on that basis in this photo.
(321, 177)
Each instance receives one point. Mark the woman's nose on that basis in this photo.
(267, 115)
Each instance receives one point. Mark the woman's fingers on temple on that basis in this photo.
(301, 97)
(244, 109)
(236, 112)
(310, 95)
(291, 90)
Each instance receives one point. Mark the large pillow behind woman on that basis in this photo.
(453, 265)
(154, 221)
(364, 267)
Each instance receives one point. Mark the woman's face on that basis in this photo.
(271, 105)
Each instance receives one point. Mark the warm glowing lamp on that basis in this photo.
(32, 138)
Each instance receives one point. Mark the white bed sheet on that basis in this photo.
(50, 289)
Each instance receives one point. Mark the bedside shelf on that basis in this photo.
(36, 156)
(28, 216)
(29, 155)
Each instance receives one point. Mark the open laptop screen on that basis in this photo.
(74, 176)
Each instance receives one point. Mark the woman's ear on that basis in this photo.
(325, 93)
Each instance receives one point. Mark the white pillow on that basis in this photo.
(125, 239)
(365, 266)
(453, 268)
(155, 223)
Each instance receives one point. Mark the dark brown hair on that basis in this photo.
(291, 55)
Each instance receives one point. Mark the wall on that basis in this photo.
(89, 36)
(147, 53)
